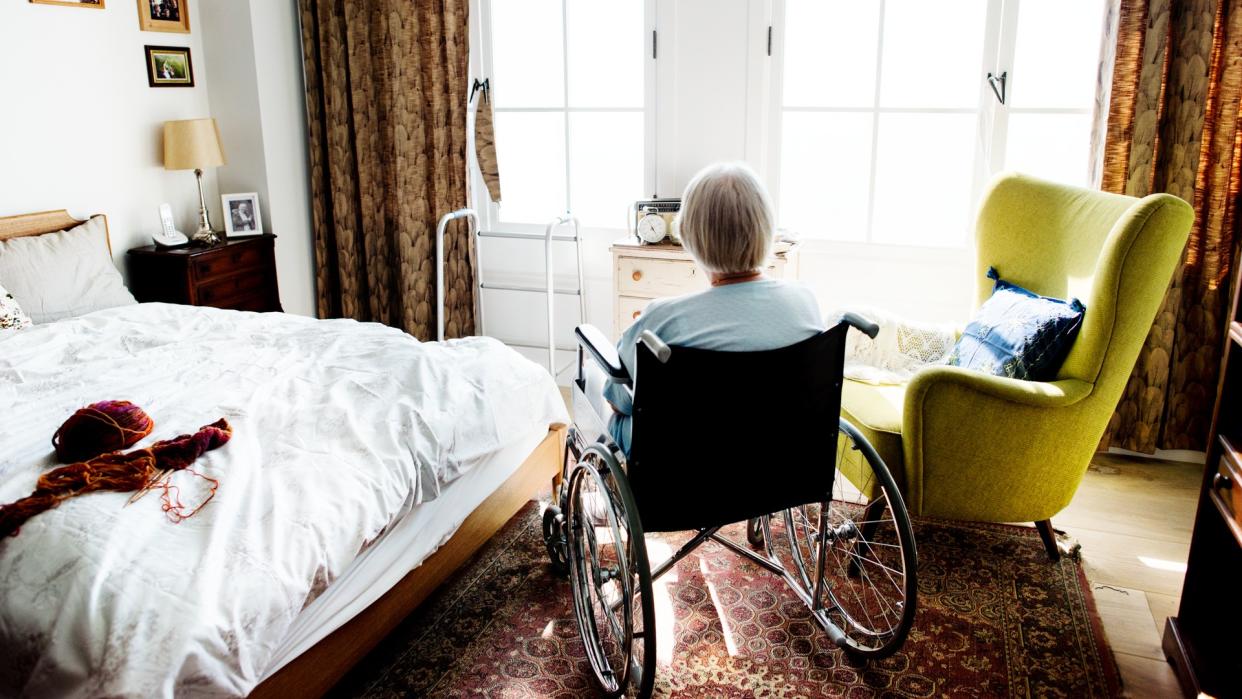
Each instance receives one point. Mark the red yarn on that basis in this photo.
(99, 428)
(141, 469)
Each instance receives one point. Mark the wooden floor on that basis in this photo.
(1133, 518)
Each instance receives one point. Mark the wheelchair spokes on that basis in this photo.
(609, 575)
(854, 555)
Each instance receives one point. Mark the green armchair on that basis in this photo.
(971, 446)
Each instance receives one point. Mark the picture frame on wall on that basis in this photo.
(171, 16)
(241, 214)
(169, 66)
(93, 4)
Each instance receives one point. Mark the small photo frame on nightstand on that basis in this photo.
(241, 214)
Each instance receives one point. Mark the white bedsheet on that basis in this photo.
(340, 428)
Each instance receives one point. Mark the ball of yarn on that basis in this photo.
(100, 428)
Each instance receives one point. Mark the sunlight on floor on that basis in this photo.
(1175, 566)
(666, 618)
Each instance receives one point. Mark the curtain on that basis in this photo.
(1173, 126)
(485, 140)
(386, 97)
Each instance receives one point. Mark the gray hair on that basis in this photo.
(726, 219)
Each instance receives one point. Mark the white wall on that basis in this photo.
(79, 126)
(258, 99)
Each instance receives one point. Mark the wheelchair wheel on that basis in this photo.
(610, 576)
(855, 555)
(554, 540)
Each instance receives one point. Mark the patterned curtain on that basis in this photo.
(386, 92)
(1173, 126)
(485, 141)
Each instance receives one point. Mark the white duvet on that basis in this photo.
(339, 428)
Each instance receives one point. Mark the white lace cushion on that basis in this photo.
(12, 316)
(64, 274)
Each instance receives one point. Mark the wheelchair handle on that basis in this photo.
(653, 342)
(864, 326)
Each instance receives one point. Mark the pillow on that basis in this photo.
(63, 274)
(1018, 333)
(12, 317)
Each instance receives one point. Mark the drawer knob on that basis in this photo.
(636, 314)
(637, 275)
(1221, 482)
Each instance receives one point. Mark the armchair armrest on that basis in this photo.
(603, 352)
(1036, 394)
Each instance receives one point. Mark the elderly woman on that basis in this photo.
(727, 224)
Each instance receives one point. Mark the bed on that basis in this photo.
(365, 467)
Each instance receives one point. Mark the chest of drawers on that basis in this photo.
(642, 273)
(239, 274)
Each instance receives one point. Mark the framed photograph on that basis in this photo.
(164, 16)
(241, 214)
(96, 4)
(169, 66)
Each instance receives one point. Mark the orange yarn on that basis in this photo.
(141, 469)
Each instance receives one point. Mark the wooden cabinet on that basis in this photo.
(642, 273)
(1202, 641)
(239, 274)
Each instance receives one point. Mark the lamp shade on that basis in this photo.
(192, 144)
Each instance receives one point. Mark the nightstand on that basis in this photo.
(643, 273)
(239, 274)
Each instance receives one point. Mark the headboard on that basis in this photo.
(43, 222)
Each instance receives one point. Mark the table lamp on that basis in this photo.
(194, 144)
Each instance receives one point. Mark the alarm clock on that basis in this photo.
(651, 227)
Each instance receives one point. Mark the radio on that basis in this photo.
(656, 219)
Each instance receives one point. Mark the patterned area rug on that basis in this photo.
(995, 619)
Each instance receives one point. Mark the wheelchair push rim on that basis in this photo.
(865, 583)
(609, 576)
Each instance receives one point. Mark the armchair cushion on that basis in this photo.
(876, 410)
(1018, 333)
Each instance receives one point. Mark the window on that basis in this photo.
(888, 129)
(568, 80)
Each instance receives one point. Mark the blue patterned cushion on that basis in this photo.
(1019, 334)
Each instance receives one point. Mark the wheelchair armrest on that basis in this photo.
(863, 325)
(601, 350)
(653, 342)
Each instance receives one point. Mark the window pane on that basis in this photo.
(1057, 53)
(527, 66)
(924, 178)
(1053, 146)
(530, 149)
(606, 48)
(606, 166)
(825, 173)
(830, 51)
(933, 53)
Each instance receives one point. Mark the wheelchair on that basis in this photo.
(822, 510)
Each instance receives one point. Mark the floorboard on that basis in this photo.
(1133, 518)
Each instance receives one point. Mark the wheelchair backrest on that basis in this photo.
(719, 437)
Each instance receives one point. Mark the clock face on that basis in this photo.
(652, 229)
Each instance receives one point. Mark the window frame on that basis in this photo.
(481, 69)
(992, 121)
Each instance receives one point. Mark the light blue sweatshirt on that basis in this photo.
(744, 317)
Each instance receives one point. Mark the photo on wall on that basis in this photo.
(241, 214)
(95, 4)
(169, 66)
(171, 16)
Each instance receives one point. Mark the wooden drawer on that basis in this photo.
(219, 290)
(629, 308)
(234, 259)
(1227, 482)
(653, 278)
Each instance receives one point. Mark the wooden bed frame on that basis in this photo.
(315, 672)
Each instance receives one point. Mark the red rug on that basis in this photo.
(995, 619)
